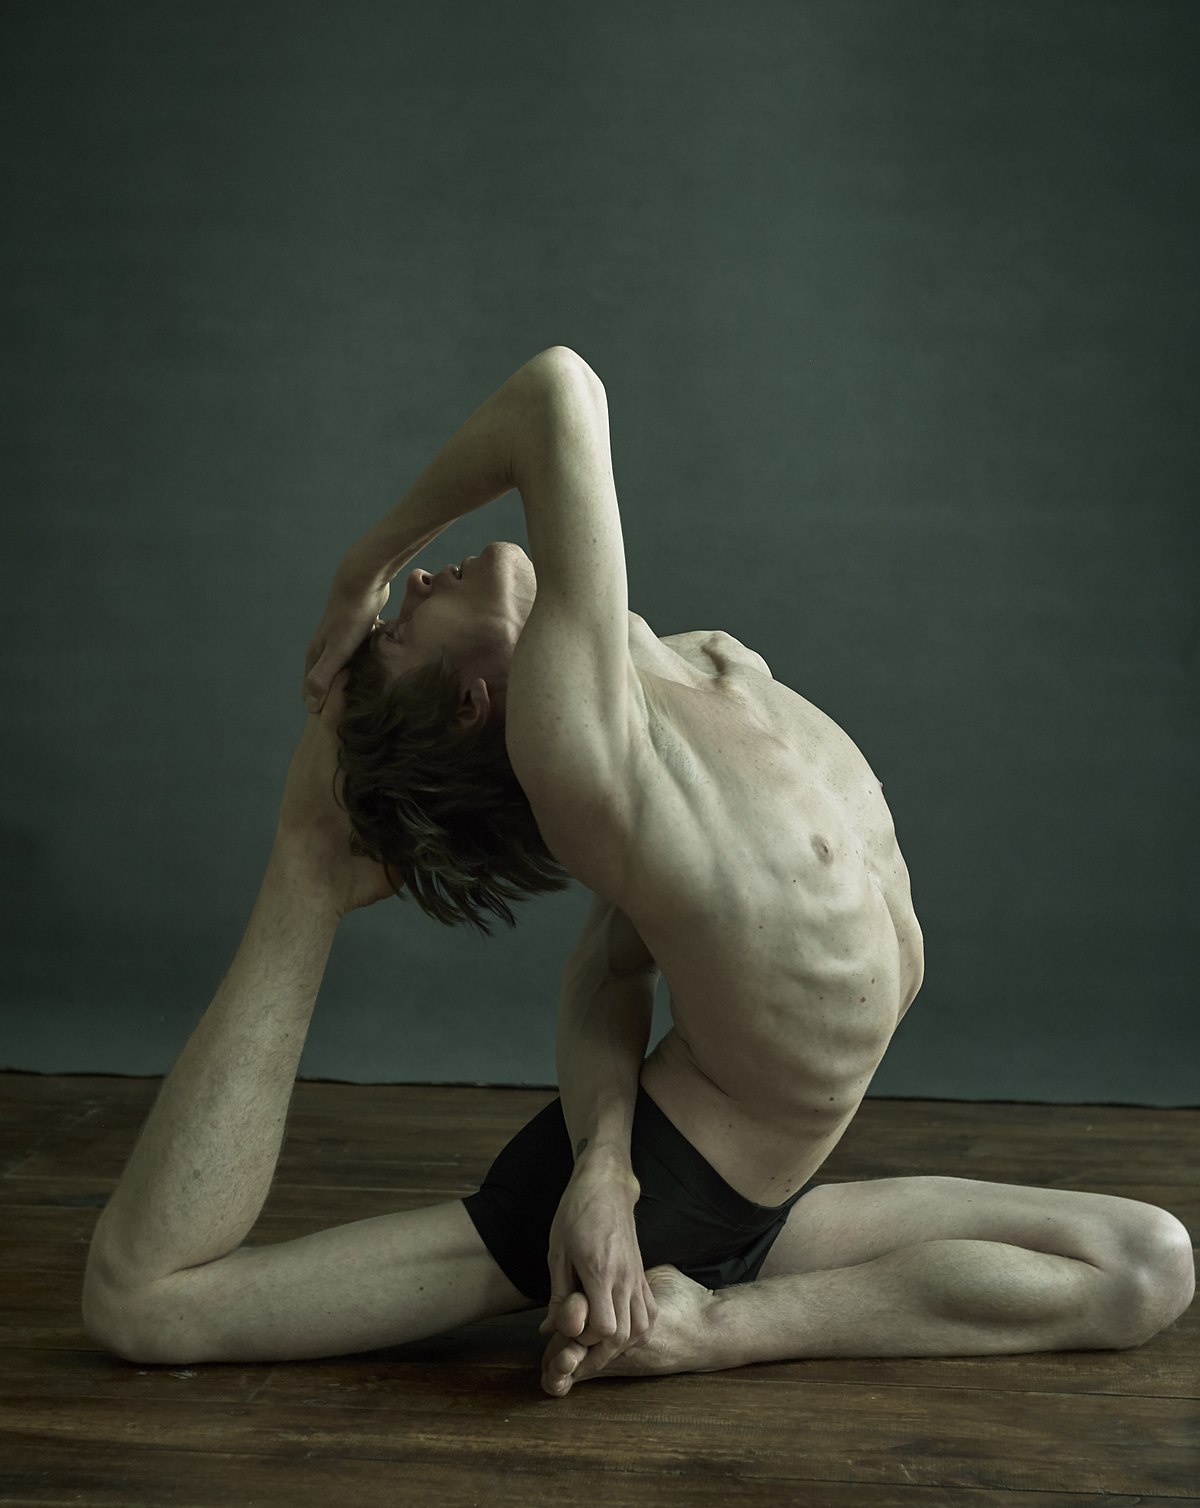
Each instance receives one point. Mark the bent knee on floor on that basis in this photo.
(1156, 1284)
(128, 1342)
(147, 1326)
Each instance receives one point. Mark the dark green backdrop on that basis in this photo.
(896, 307)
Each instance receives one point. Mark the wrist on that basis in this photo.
(376, 558)
(607, 1160)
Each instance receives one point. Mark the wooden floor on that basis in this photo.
(461, 1419)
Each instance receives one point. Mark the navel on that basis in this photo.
(822, 849)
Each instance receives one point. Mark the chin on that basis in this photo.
(519, 560)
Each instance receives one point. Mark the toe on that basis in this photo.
(558, 1372)
(567, 1359)
(562, 1366)
(559, 1348)
(585, 1370)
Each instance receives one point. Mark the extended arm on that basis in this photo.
(603, 1028)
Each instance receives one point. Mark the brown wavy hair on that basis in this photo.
(439, 809)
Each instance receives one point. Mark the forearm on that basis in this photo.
(603, 1030)
(476, 466)
(204, 1162)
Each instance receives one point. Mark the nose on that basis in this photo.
(418, 585)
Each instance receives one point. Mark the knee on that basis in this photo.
(1160, 1280)
(120, 1337)
(131, 1327)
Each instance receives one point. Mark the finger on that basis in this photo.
(562, 1275)
(335, 699)
(308, 686)
(603, 1321)
(319, 680)
(607, 1337)
(567, 1316)
(639, 1320)
(563, 1284)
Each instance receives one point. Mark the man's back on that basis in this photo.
(763, 874)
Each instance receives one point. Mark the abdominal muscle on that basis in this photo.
(788, 940)
(764, 1087)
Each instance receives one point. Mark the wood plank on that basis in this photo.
(460, 1417)
(910, 1437)
(109, 1476)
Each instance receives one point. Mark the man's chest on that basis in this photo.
(741, 786)
(709, 653)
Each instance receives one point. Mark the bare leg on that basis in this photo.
(934, 1298)
(168, 1279)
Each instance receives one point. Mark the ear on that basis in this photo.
(475, 707)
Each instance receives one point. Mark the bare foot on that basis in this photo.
(675, 1342)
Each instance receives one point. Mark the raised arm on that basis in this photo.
(509, 441)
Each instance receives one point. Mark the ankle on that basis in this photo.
(728, 1318)
(714, 1335)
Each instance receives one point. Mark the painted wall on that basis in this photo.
(896, 309)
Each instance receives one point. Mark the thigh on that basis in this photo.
(843, 1224)
(514, 1208)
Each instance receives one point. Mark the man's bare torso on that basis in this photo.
(769, 887)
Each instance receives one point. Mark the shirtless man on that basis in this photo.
(734, 838)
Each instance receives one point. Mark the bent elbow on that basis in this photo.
(562, 361)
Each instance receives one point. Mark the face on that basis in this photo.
(476, 617)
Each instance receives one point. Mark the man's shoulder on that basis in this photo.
(597, 827)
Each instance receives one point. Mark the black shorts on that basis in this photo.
(687, 1214)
